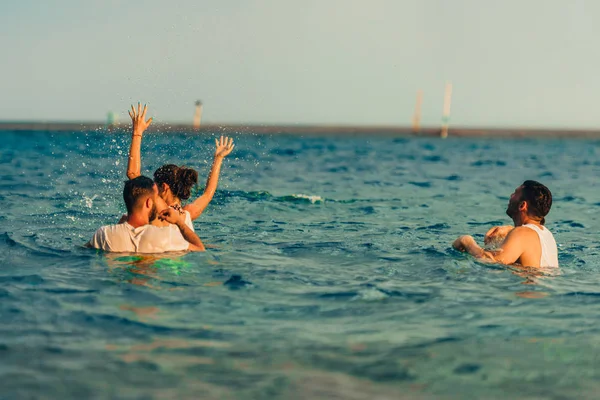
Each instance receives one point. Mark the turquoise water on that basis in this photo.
(332, 274)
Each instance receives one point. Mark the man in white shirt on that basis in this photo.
(530, 243)
(136, 235)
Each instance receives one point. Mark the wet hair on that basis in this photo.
(135, 189)
(538, 198)
(180, 179)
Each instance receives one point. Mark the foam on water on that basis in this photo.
(313, 199)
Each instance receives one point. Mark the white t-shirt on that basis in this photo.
(123, 237)
(188, 219)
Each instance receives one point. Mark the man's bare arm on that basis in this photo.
(468, 244)
(510, 251)
(139, 126)
(513, 247)
(224, 146)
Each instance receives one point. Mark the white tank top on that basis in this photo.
(549, 256)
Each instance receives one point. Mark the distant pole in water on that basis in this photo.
(198, 115)
(416, 126)
(111, 119)
(446, 114)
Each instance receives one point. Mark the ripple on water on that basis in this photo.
(425, 184)
(24, 279)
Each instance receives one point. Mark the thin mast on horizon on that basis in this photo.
(111, 119)
(198, 115)
(446, 112)
(416, 126)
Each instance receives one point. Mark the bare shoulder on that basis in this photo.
(522, 233)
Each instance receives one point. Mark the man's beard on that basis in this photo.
(513, 209)
(153, 213)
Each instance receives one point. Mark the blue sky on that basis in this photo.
(512, 63)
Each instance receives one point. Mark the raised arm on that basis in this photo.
(139, 125)
(174, 217)
(224, 146)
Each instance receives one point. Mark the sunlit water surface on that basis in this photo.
(332, 274)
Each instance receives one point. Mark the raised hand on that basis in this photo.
(224, 147)
(138, 119)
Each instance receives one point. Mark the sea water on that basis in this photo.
(330, 272)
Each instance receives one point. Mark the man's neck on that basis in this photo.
(525, 219)
(136, 220)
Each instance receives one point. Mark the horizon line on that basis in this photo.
(308, 129)
(292, 125)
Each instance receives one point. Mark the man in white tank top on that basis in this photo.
(530, 243)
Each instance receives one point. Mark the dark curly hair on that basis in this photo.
(538, 197)
(180, 179)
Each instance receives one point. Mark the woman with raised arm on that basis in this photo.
(175, 183)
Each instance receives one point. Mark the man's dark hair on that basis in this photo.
(136, 188)
(538, 198)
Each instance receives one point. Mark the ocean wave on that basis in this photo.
(303, 198)
(253, 196)
(22, 246)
